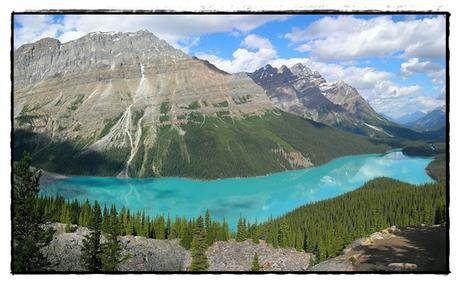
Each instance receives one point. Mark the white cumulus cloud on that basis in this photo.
(432, 70)
(348, 37)
(172, 28)
(257, 53)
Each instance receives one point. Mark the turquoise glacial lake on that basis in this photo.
(255, 197)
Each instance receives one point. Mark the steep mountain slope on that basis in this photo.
(300, 91)
(435, 119)
(129, 104)
(348, 97)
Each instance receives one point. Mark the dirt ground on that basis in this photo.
(422, 248)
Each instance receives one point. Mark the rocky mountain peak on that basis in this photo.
(109, 51)
(304, 92)
(349, 98)
(284, 70)
(301, 69)
(265, 72)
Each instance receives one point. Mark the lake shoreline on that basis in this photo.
(52, 176)
(255, 197)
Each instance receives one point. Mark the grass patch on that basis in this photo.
(164, 118)
(194, 105)
(165, 107)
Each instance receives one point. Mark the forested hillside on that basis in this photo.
(326, 227)
(208, 147)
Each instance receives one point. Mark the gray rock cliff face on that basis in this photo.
(348, 97)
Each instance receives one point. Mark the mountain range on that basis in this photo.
(130, 104)
(433, 120)
(408, 118)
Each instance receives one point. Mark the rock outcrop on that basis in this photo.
(145, 254)
(238, 256)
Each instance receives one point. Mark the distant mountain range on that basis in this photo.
(408, 118)
(433, 120)
(129, 104)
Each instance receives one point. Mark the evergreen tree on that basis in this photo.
(84, 216)
(255, 263)
(199, 247)
(28, 235)
(175, 229)
(208, 228)
(241, 230)
(185, 234)
(111, 254)
(225, 232)
(168, 227)
(91, 250)
(254, 233)
(159, 228)
(283, 232)
(67, 219)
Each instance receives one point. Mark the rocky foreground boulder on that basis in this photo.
(168, 255)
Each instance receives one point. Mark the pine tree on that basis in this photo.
(28, 235)
(85, 214)
(241, 230)
(225, 231)
(91, 250)
(168, 227)
(67, 219)
(185, 234)
(175, 229)
(159, 228)
(199, 247)
(255, 263)
(283, 234)
(111, 254)
(208, 228)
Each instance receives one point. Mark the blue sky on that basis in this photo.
(396, 62)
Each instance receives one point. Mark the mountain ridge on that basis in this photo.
(304, 92)
(136, 105)
(433, 120)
